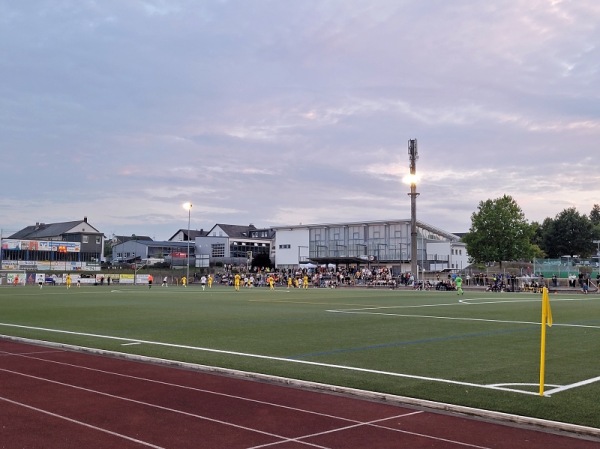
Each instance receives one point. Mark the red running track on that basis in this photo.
(55, 398)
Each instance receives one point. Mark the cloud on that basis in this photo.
(285, 112)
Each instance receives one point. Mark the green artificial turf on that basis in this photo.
(420, 344)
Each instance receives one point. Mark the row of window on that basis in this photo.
(53, 256)
(85, 239)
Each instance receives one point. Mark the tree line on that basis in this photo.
(500, 232)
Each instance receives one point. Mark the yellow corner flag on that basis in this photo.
(546, 310)
(546, 321)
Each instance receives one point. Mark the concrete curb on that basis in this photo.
(498, 417)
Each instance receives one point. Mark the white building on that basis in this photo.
(383, 243)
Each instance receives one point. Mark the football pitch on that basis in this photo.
(478, 350)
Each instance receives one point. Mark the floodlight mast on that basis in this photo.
(188, 206)
(413, 156)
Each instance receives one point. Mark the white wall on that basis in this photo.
(455, 251)
(289, 243)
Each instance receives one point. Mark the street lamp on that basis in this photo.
(188, 206)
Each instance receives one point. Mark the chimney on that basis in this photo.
(85, 219)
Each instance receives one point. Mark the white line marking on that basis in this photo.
(434, 317)
(100, 429)
(185, 387)
(354, 422)
(278, 359)
(159, 407)
(374, 424)
(575, 385)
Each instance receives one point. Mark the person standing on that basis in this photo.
(236, 282)
(203, 282)
(184, 281)
(458, 282)
(150, 280)
(271, 282)
(164, 282)
(210, 281)
(305, 281)
(68, 281)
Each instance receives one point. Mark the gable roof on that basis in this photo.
(234, 231)
(47, 230)
(125, 238)
(193, 234)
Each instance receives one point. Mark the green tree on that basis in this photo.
(262, 261)
(499, 232)
(595, 219)
(595, 215)
(569, 234)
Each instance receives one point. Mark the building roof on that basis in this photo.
(126, 238)
(420, 224)
(193, 234)
(41, 231)
(235, 231)
(159, 244)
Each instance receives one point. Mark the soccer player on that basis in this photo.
(305, 281)
(150, 280)
(68, 281)
(236, 282)
(458, 282)
(210, 281)
(289, 282)
(203, 282)
(271, 282)
(184, 281)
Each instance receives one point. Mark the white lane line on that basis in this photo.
(89, 426)
(374, 424)
(185, 387)
(147, 404)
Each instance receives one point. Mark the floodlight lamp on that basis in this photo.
(187, 206)
(411, 179)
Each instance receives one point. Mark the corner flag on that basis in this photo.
(546, 310)
(546, 321)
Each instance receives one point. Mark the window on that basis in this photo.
(97, 240)
(84, 239)
(284, 246)
(218, 250)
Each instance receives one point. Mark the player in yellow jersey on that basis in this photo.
(289, 282)
(305, 281)
(68, 281)
(184, 281)
(271, 282)
(236, 282)
(210, 281)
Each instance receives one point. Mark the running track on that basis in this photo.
(51, 397)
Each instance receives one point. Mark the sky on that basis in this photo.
(282, 112)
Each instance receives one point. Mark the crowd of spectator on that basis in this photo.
(331, 277)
